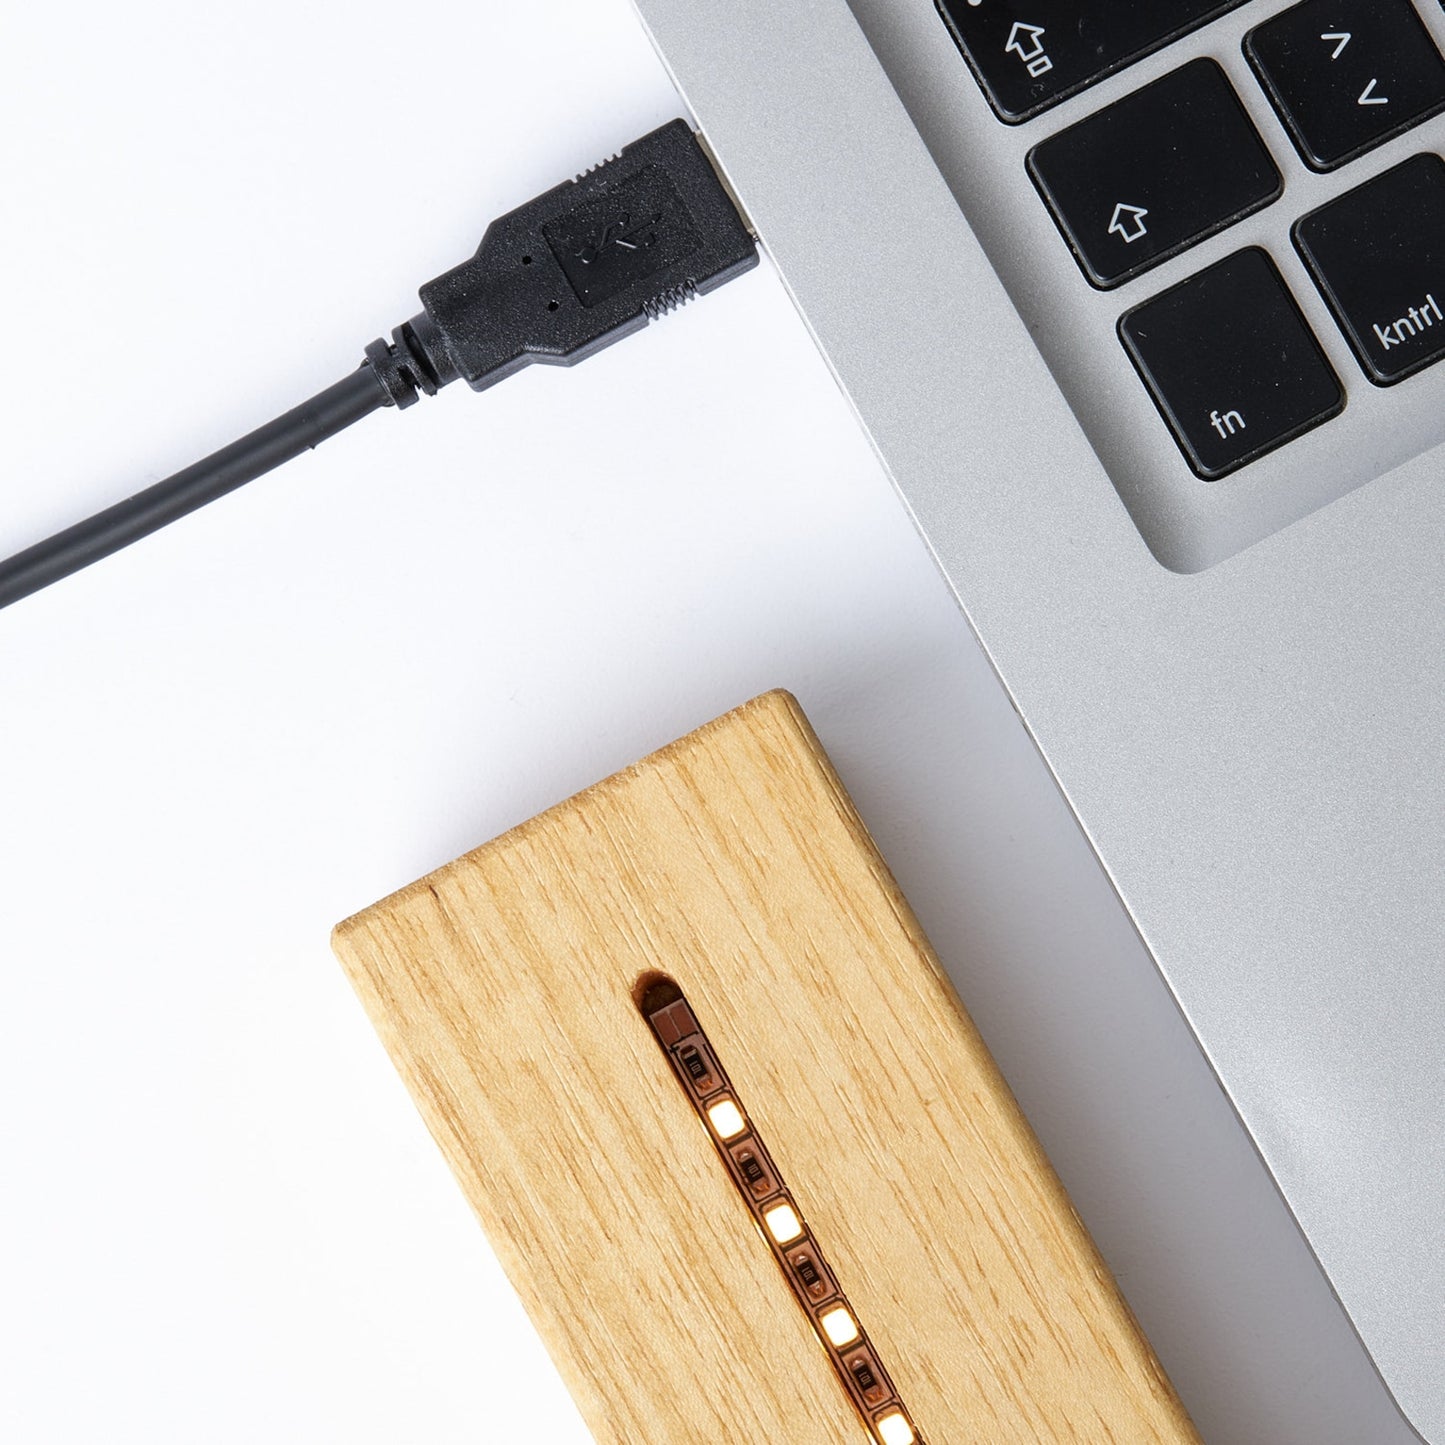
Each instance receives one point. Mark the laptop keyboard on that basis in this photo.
(1227, 355)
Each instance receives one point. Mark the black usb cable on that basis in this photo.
(554, 281)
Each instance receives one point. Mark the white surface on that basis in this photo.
(222, 1220)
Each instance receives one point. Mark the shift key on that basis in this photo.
(1153, 173)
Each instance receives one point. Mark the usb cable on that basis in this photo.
(554, 281)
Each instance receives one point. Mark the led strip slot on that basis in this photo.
(777, 1215)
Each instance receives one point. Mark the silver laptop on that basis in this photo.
(1143, 306)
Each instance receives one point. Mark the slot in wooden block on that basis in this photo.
(503, 986)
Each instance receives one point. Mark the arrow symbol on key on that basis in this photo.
(1368, 96)
(1128, 223)
(1343, 36)
(1025, 41)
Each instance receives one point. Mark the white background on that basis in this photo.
(222, 1220)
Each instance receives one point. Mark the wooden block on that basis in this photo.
(504, 987)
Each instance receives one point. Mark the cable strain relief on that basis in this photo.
(413, 364)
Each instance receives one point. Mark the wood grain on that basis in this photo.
(734, 862)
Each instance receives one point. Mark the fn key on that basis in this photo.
(1231, 363)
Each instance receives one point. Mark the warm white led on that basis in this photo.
(894, 1429)
(724, 1116)
(783, 1223)
(727, 1120)
(839, 1326)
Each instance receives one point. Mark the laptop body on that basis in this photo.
(1236, 681)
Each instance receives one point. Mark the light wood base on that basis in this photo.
(732, 861)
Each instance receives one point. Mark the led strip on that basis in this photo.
(777, 1214)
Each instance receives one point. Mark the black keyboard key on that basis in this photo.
(1153, 173)
(1347, 75)
(1231, 363)
(1378, 256)
(1031, 54)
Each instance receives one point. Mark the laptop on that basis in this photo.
(1143, 307)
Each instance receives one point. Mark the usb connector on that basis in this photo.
(554, 281)
(574, 270)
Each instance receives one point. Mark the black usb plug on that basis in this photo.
(556, 280)
(574, 270)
